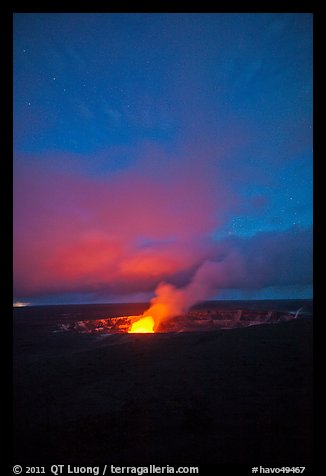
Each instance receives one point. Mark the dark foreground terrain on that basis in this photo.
(226, 396)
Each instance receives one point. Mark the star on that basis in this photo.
(54, 78)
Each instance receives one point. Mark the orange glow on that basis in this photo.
(20, 304)
(143, 325)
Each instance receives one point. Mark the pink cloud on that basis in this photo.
(130, 231)
(73, 231)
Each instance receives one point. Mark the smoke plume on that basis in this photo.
(171, 301)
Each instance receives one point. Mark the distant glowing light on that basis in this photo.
(143, 325)
(20, 304)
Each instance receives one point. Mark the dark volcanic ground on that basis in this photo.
(226, 396)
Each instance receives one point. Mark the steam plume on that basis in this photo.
(171, 301)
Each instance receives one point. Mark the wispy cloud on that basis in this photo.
(144, 225)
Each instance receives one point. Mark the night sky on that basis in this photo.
(148, 147)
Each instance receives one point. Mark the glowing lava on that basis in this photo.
(143, 325)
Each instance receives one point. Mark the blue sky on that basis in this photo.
(211, 112)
